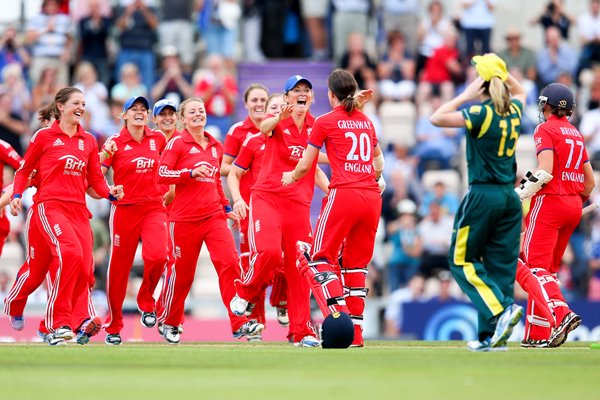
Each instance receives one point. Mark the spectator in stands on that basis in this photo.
(430, 32)
(348, 17)
(441, 69)
(137, 24)
(440, 194)
(217, 23)
(14, 83)
(443, 293)
(94, 30)
(252, 11)
(12, 50)
(403, 16)
(435, 231)
(356, 61)
(174, 83)
(81, 9)
(49, 35)
(476, 22)
(12, 126)
(314, 13)
(403, 262)
(554, 15)
(45, 88)
(129, 85)
(394, 315)
(556, 57)
(436, 146)
(218, 88)
(177, 29)
(96, 99)
(396, 70)
(588, 26)
(518, 56)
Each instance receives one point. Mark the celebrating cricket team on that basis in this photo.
(169, 195)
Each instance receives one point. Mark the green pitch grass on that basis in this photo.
(381, 370)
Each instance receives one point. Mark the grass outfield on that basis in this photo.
(382, 370)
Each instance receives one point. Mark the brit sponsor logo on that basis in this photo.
(212, 171)
(58, 142)
(143, 165)
(296, 152)
(73, 165)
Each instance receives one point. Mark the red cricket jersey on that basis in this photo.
(135, 165)
(195, 198)
(8, 156)
(283, 151)
(567, 144)
(349, 140)
(236, 136)
(65, 165)
(250, 158)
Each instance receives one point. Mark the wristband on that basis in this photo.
(227, 209)
(106, 153)
(112, 198)
(16, 196)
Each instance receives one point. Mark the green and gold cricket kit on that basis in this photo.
(485, 241)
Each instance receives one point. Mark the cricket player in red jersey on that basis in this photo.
(36, 268)
(255, 101)
(242, 176)
(564, 179)
(140, 216)
(199, 214)
(68, 160)
(351, 211)
(280, 216)
(8, 156)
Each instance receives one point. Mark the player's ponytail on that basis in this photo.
(343, 86)
(500, 95)
(48, 113)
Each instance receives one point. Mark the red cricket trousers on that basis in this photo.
(276, 224)
(188, 238)
(34, 270)
(65, 229)
(129, 224)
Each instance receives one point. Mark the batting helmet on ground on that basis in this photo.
(337, 331)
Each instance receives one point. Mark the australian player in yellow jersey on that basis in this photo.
(485, 241)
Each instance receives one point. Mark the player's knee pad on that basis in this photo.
(354, 280)
(326, 286)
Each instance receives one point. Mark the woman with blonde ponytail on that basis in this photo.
(485, 243)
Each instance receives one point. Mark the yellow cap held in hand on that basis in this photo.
(490, 65)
